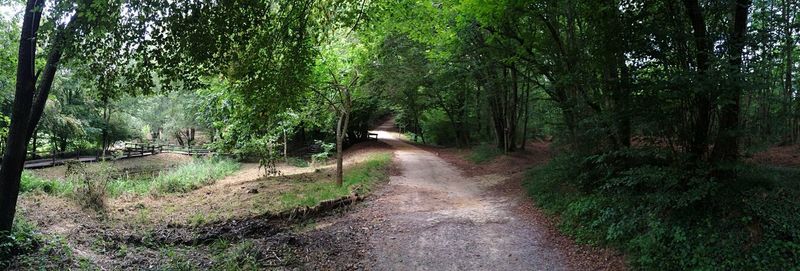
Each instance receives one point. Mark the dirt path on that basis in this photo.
(432, 217)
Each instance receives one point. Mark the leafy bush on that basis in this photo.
(670, 214)
(437, 128)
(326, 151)
(483, 153)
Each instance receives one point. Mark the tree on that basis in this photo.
(33, 87)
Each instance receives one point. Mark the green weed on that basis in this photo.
(483, 153)
(358, 178)
(30, 183)
(297, 162)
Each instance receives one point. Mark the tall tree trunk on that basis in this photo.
(726, 148)
(21, 126)
(698, 144)
(526, 116)
(788, 92)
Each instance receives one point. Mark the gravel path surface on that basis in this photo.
(432, 217)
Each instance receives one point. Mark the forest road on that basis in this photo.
(432, 217)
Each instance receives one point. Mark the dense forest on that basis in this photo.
(658, 114)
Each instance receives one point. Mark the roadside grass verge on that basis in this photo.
(357, 179)
(664, 217)
(184, 178)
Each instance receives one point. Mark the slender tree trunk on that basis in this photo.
(526, 116)
(33, 145)
(107, 121)
(341, 127)
(285, 146)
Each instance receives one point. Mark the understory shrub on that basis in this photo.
(483, 153)
(670, 214)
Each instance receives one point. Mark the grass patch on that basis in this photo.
(358, 178)
(196, 174)
(668, 217)
(181, 179)
(30, 183)
(297, 162)
(483, 153)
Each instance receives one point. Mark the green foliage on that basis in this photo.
(483, 153)
(669, 218)
(358, 179)
(297, 162)
(30, 183)
(103, 182)
(245, 255)
(194, 175)
(31, 250)
(326, 151)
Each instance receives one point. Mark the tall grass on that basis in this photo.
(31, 183)
(182, 179)
(358, 178)
(198, 173)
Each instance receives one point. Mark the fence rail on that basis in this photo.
(36, 160)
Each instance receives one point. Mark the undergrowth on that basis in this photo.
(668, 214)
(359, 179)
(198, 173)
(483, 153)
(27, 249)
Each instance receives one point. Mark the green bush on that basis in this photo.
(669, 214)
(483, 153)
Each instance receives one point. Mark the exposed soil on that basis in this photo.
(437, 216)
(785, 156)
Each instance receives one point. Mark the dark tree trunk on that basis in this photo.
(726, 148)
(21, 126)
(698, 144)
